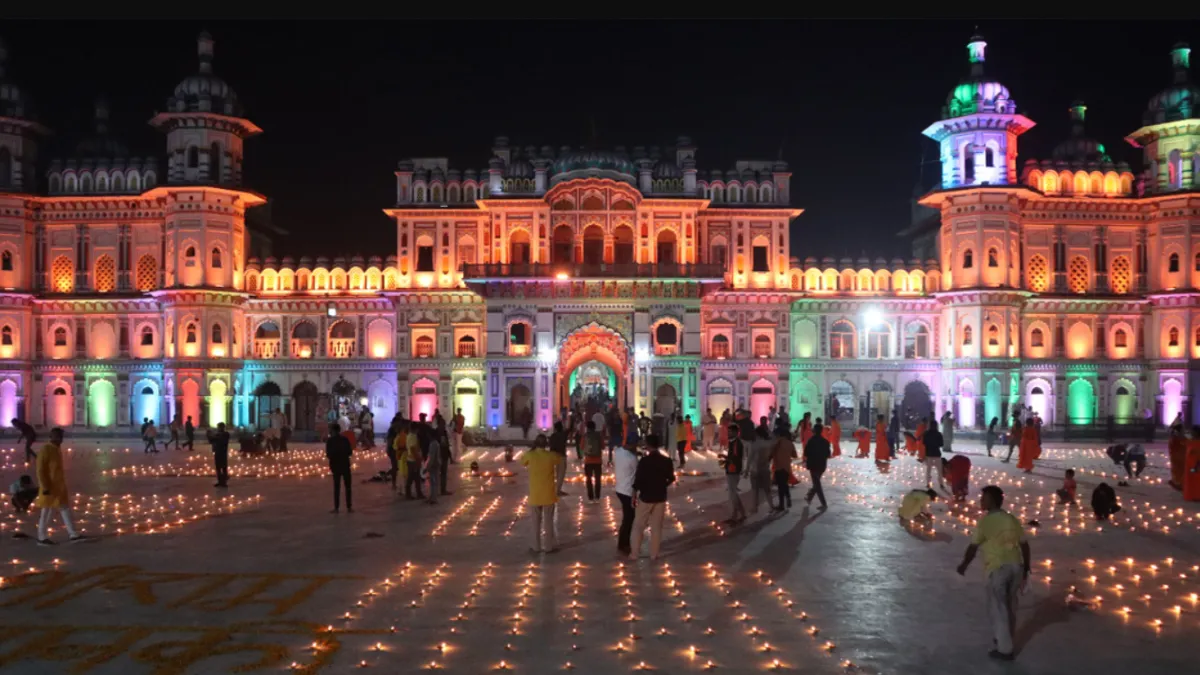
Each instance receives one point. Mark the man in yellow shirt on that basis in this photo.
(1006, 560)
(542, 464)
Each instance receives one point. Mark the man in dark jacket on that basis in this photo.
(220, 448)
(816, 456)
(654, 473)
(337, 450)
(733, 462)
(934, 441)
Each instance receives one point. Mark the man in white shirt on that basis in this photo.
(625, 462)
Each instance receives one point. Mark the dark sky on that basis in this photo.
(341, 102)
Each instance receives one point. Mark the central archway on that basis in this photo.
(587, 344)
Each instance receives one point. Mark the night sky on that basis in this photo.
(341, 102)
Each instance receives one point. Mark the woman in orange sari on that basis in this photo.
(689, 434)
(883, 452)
(1029, 450)
(864, 441)
(919, 437)
(835, 437)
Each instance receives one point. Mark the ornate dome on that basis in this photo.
(1078, 147)
(978, 93)
(101, 143)
(13, 101)
(1178, 101)
(594, 162)
(667, 169)
(204, 91)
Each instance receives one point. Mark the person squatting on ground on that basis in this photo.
(542, 466)
(1006, 559)
(23, 492)
(915, 504)
(1066, 494)
(654, 473)
(957, 470)
(1104, 501)
(337, 451)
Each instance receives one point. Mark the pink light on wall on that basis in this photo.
(1172, 400)
(8, 402)
(424, 399)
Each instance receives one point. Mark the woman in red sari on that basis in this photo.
(1030, 450)
(919, 440)
(883, 451)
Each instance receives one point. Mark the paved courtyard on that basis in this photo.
(184, 578)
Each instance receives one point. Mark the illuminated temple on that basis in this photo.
(1067, 283)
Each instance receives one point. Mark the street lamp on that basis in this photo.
(872, 317)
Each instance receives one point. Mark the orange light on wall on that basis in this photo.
(306, 352)
(217, 351)
(379, 350)
(190, 350)
(7, 351)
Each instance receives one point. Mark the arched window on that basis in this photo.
(105, 275)
(968, 259)
(6, 261)
(6, 336)
(989, 157)
(518, 248)
(968, 165)
(1173, 262)
(190, 252)
(214, 163)
(916, 341)
(719, 254)
(216, 258)
(191, 334)
(1197, 267)
(466, 347)
(1173, 337)
(993, 257)
(217, 337)
(666, 338)
(193, 157)
(1037, 338)
(879, 341)
(520, 339)
(62, 275)
(762, 343)
(147, 336)
(1120, 339)
(147, 273)
(60, 337)
(423, 347)
(720, 347)
(967, 336)
(993, 335)
(1197, 338)
(842, 340)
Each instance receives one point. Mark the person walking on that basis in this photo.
(654, 474)
(542, 465)
(412, 459)
(782, 454)
(220, 448)
(1006, 560)
(52, 484)
(733, 462)
(883, 448)
(27, 434)
(150, 435)
(934, 442)
(189, 432)
(434, 466)
(990, 440)
(558, 445)
(947, 431)
(444, 455)
(1015, 431)
(459, 425)
(816, 457)
(338, 451)
(1031, 446)
(173, 429)
(893, 439)
(709, 430)
(593, 461)
(758, 464)
(625, 463)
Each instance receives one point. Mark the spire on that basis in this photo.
(975, 53)
(1180, 61)
(101, 115)
(204, 48)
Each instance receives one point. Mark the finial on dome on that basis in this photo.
(1078, 110)
(1180, 60)
(975, 52)
(204, 47)
(101, 115)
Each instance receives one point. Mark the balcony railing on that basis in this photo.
(701, 271)
(720, 350)
(341, 348)
(666, 350)
(466, 350)
(424, 349)
(266, 349)
(519, 350)
(304, 348)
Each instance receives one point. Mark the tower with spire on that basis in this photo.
(1170, 132)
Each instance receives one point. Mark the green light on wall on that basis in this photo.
(1081, 403)
(102, 404)
(991, 402)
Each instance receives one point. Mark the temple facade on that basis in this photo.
(127, 290)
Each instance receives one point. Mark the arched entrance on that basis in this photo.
(762, 397)
(267, 398)
(424, 399)
(304, 407)
(520, 405)
(881, 402)
(842, 405)
(666, 399)
(598, 352)
(720, 396)
(917, 404)
(592, 382)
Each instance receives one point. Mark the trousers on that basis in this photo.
(545, 527)
(934, 465)
(1003, 585)
(648, 514)
(44, 522)
(627, 513)
(560, 474)
(221, 464)
(591, 474)
(736, 509)
(341, 475)
(816, 490)
(785, 488)
(413, 478)
(760, 487)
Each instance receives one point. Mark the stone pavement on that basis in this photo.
(260, 578)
